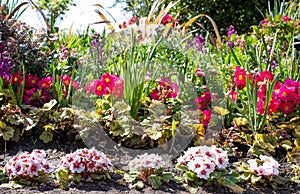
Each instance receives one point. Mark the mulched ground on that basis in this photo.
(59, 147)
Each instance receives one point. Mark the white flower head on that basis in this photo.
(146, 161)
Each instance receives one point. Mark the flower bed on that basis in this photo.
(172, 107)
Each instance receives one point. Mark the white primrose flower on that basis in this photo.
(28, 165)
(202, 166)
(204, 159)
(269, 160)
(86, 161)
(76, 166)
(268, 166)
(147, 161)
(252, 164)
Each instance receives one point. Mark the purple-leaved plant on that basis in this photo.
(5, 62)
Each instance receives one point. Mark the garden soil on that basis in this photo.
(59, 147)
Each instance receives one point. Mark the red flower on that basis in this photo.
(155, 95)
(233, 95)
(66, 80)
(166, 19)
(131, 21)
(203, 101)
(199, 73)
(285, 18)
(240, 77)
(207, 116)
(31, 80)
(286, 107)
(91, 86)
(118, 88)
(45, 83)
(17, 78)
(100, 88)
(76, 85)
(274, 105)
(109, 80)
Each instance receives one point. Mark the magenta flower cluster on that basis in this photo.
(285, 95)
(107, 84)
(166, 89)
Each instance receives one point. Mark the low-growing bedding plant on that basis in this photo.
(263, 170)
(83, 165)
(207, 164)
(148, 169)
(29, 168)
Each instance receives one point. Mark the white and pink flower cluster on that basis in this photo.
(147, 161)
(89, 161)
(265, 166)
(28, 165)
(203, 160)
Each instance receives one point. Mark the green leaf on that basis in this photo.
(62, 174)
(46, 136)
(167, 176)
(154, 181)
(138, 185)
(6, 132)
(63, 184)
(12, 185)
(97, 177)
(129, 178)
(296, 179)
(255, 179)
(76, 178)
(231, 185)
(280, 180)
(191, 176)
(182, 168)
(48, 106)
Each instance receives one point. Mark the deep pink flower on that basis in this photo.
(155, 94)
(199, 73)
(109, 80)
(118, 88)
(166, 19)
(131, 21)
(261, 106)
(285, 18)
(17, 78)
(76, 85)
(66, 80)
(207, 116)
(285, 94)
(45, 83)
(91, 86)
(203, 101)
(233, 95)
(45, 97)
(240, 77)
(265, 23)
(100, 88)
(28, 94)
(286, 107)
(31, 80)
